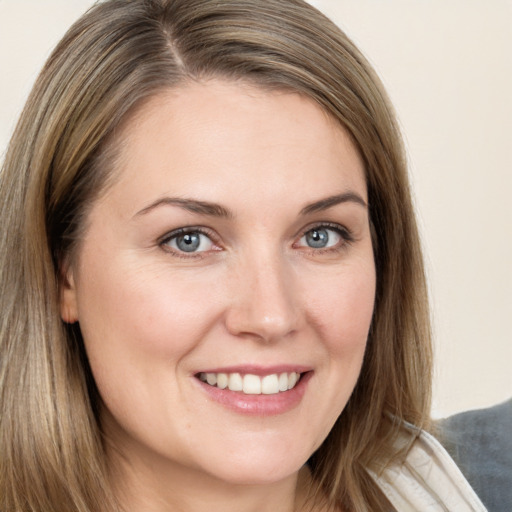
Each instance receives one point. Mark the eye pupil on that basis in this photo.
(188, 242)
(317, 238)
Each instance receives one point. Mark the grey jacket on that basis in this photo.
(480, 442)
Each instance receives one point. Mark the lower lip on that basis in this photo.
(259, 405)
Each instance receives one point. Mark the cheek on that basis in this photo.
(138, 327)
(341, 313)
(139, 323)
(342, 310)
(141, 306)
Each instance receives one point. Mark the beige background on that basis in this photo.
(448, 67)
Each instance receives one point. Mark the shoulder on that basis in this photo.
(480, 441)
(427, 479)
(480, 425)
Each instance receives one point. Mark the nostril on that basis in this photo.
(252, 322)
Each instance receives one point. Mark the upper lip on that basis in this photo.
(257, 369)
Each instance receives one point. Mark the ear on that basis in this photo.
(67, 295)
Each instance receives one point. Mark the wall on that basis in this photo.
(448, 68)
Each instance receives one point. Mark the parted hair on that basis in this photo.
(60, 158)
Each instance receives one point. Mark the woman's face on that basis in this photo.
(233, 247)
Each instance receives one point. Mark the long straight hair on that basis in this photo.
(61, 156)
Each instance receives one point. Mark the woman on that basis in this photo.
(219, 299)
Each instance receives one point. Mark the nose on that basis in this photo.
(264, 303)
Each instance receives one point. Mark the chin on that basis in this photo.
(263, 468)
(252, 475)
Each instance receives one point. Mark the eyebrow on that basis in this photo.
(216, 210)
(192, 205)
(329, 202)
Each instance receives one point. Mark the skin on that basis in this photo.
(255, 292)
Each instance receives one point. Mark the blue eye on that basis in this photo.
(189, 242)
(320, 238)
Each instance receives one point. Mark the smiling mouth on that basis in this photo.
(250, 384)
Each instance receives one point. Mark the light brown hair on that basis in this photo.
(116, 56)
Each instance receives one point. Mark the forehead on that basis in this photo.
(221, 140)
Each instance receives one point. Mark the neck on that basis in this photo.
(184, 490)
(143, 481)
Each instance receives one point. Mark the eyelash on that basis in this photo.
(166, 239)
(345, 235)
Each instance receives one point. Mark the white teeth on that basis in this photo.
(270, 384)
(251, 384)
(222, 380)
(292, 380)
(235, 382)
(283, 382)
